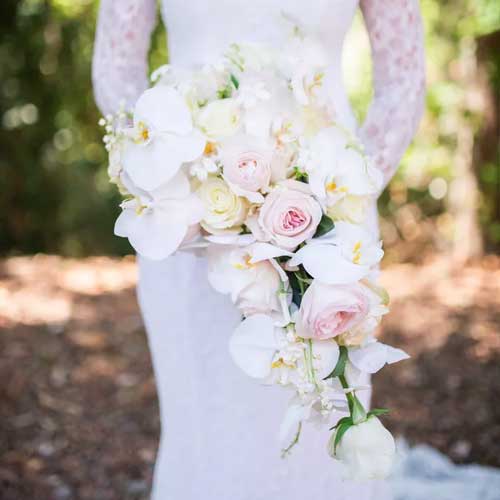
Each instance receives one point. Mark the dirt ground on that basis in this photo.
(78, 409)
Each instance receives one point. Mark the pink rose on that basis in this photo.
(330, 310)
(247, 166)
(290, 215)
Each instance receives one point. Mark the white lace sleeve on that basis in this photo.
(397, 44)
(119, 68)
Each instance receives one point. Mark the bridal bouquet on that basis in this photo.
(245, 160)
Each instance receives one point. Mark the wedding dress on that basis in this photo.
(219, 428)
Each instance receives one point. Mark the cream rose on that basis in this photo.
(328, 310)
(290, 215)
(349, 208)
(220, 118)
(223, 209)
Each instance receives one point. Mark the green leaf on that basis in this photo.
(225, 92)
(339, 433)
(340, 366)
(300, 175)
(377, 412)
(325, 226)
(341, 421)
(296, 291)
(235, 81)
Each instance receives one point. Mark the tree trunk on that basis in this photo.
(463, 198)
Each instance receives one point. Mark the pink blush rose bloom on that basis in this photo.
(250, 169)
(290, 215)
(327, 311)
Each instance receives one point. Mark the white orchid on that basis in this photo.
(157, 222)
(345, 255)
(254, 344)
(340, 176)
(373, 356)
(306, 60)
(161, 140)
(325, 354)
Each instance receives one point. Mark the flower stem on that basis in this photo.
(287, 450)
(356, 408)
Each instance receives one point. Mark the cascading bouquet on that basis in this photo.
(244, 159)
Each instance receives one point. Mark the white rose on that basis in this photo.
(220, 118)
(223, 209)
(367, 450)
(262, 295)
(251, 279)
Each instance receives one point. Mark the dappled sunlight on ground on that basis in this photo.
(78, 402)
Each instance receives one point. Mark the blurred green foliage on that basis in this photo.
(54, 194)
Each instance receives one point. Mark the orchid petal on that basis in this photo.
(191, 146)
(394, 355)
(151, 165)
(372, 357)
(295, 414)
(164, 109)
(326, 354)
(326, 264)
(265, 251)
(253, 345)
(176, 188)
(241, 240)
(152, 234)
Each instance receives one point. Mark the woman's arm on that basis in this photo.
(397, 44)
(119, 68)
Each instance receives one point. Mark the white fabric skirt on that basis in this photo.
(219, 427)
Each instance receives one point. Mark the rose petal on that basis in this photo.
(252, 196)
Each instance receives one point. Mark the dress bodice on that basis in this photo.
(199, 30)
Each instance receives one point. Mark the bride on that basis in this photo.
(219, 427)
